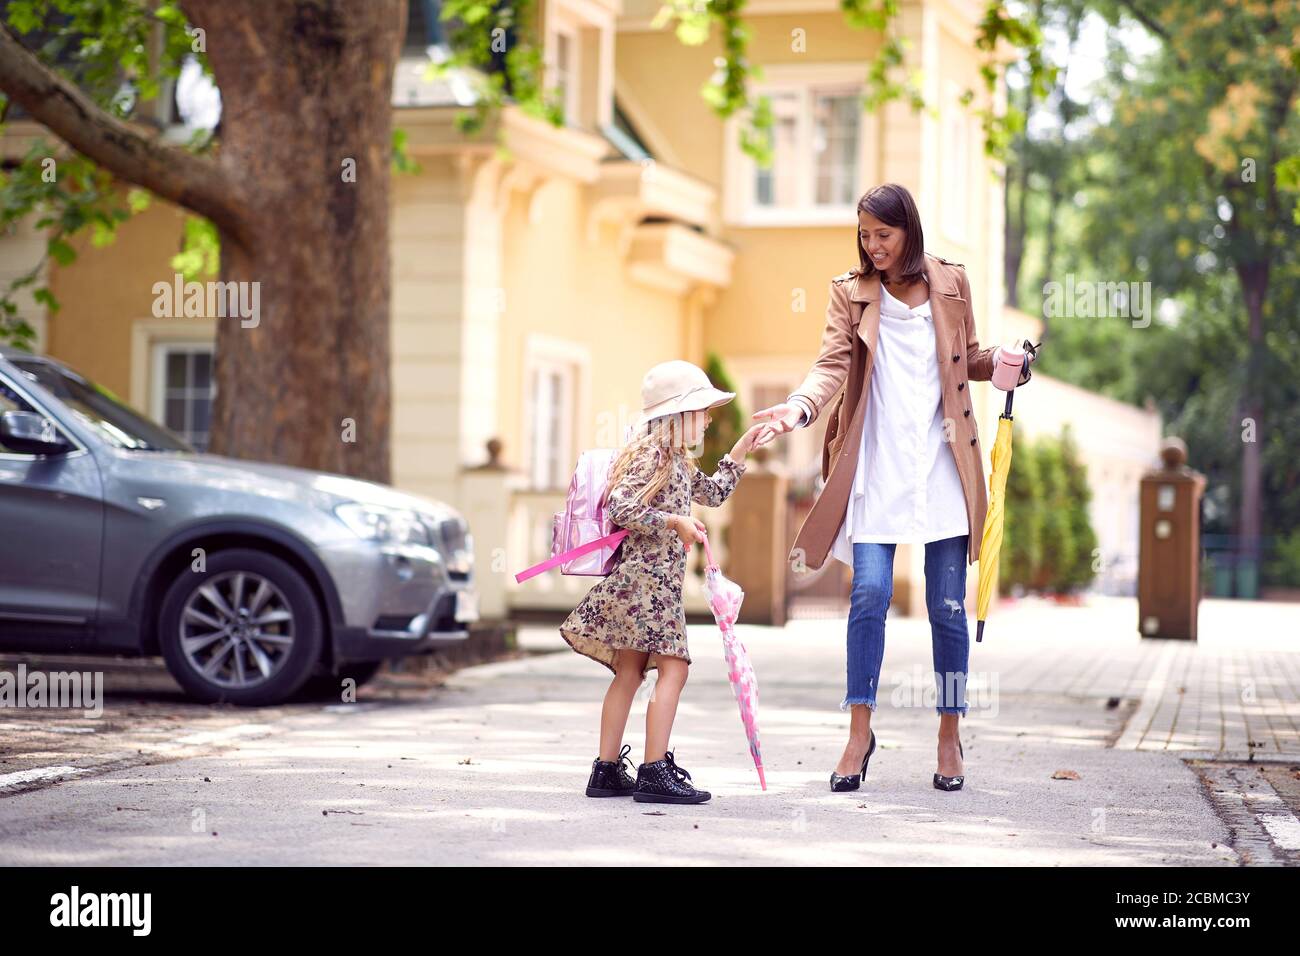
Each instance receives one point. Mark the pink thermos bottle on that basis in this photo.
(1013, 361)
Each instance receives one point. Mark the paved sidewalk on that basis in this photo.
(489, 768)
(1232, 695)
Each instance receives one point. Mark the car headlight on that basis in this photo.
(457, 545)
(385, 525)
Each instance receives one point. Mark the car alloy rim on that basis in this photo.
(236, 629)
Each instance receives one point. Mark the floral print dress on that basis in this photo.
(639, 604)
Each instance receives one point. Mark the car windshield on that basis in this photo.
(97, 407)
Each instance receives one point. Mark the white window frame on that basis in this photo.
(589, 27)
(739, 170)
(572, 360)
(146, 335)
(158, 379)
(563, 24)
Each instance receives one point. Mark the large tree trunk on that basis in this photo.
(1014, 219)
(306, 90)
(306, 101)
(1014, 228)
(1254, 278)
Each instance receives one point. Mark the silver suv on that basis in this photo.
(253, 581)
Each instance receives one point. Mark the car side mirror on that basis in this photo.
(30, 433)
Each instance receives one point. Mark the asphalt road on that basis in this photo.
(488, 767)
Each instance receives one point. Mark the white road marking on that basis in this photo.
(1283, 828)
(224, 734)
(36, 773)
(1137, 725)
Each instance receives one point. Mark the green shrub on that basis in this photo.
(728, 420)
(1022, 534)
(1048, 540)
(1283, 567)
(1079, 572)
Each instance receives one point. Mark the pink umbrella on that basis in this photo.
(725, 597)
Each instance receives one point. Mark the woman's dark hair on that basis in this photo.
(893, 205)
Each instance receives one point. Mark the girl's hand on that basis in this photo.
(755, 437)
(690, 530)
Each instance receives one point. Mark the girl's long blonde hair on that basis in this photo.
(667, 433)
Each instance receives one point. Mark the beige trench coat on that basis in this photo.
(844, 366)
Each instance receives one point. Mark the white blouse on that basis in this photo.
(906, 487)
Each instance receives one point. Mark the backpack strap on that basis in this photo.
(579, 551)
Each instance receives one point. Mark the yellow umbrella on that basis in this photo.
(991, 542)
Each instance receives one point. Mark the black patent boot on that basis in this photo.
(609, 778)
(662, 781)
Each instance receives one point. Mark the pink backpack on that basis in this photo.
(583, 538)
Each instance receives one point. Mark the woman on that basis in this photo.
(901, 457)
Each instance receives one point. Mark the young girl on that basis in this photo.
(634, 619)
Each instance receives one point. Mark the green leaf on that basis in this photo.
(21, 16)
(138, 199)
(102, 234)
(61, 251)
(46, 298)
(200, 255)
(1288, 173)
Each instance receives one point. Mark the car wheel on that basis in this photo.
(329, 687)
(246, 630)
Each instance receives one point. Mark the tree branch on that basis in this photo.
(1155, 27)
(1145, 19)
(196, 182)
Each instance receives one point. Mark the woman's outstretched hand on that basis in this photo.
(780, 418)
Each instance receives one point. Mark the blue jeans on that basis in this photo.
(945, 595)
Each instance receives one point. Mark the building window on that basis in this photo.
(552, 400)
(578, 51)
(562, 71)
(818, 151)
(184, 389)
(564, 64)
(778, 185)
(835, 148)
(424, 27)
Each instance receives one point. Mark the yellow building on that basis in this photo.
(532, 289)
(641, 232)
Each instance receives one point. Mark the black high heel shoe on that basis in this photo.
(951, 783)
(853, 780)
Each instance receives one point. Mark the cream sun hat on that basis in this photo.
(677, 386)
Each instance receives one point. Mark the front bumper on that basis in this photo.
(396, 601)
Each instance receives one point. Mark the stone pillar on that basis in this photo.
(1169, 556)
(484, 500)
(756, 544)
